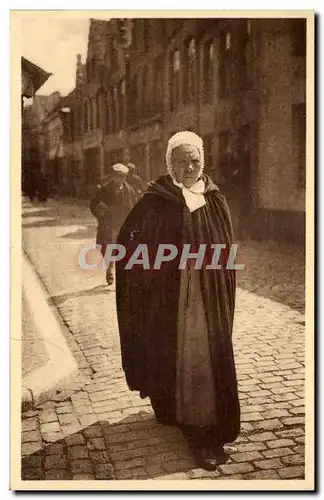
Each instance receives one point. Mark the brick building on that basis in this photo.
(239, 83)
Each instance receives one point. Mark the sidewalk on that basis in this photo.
(101, 430)
(47, 363)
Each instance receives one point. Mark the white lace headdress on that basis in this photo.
(194, 197)
(181, 139)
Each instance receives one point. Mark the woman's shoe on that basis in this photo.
(205, 459)
(220, 454)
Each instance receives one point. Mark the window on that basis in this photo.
(114, 111)
(175, 79)
(145, 93)
(146, 34)
(107, 109)
(228, 41)
(298, 37)
(245, 74)
(158, 84)
(138, 157)
(208, 73)
(135, 34)
(249, 27)
(85, 116)
(299, 142)
(133, 104)
(225, 63)
(208, 143)
(156, 159)
(224, 146)
(91, 114)
(114, 55)
(121, 103)
(98, 110)
(190, 70)
(116, 156)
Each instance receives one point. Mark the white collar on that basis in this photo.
(193, 196)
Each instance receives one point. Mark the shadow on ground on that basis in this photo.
(273, 270)
(97, 290)
(137, 447)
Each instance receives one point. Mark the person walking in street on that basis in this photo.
(175, 323)
(135, 180)
(111, 204)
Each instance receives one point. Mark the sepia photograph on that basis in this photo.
(162, 245)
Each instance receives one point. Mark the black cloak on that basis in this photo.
(147, 300)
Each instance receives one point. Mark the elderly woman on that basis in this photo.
(176, 323)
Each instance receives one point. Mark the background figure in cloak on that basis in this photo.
(176, 324)
(135, 180)
(111, 204)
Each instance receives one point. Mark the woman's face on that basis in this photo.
(186, 164)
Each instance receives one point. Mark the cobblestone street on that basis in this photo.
(98, 429)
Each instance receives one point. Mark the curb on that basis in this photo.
(61, 368)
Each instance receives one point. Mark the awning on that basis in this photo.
(33, 78)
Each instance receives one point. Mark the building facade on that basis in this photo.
(239, 83)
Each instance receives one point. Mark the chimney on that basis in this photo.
(79, 78)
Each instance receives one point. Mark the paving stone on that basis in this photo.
(136, 462)
(83, 477)
(31, 473)
(236, 468)
(262, 474)
(52, 437)
(280, 443)
(32, 461)
(255, 446)
(81, 466)
(104, 472)
(30, 448)
(272, 424)
(67, 418)
(272, 463)
(69, 429)
(30, 436)
(277, 452)
(123, 474)
(50, 427)
(78, 451)
(250, 417)
(57, 475)
(294, 460)
(55, 462)
(230, 478)
(300, 431)
(54, 449)
(300, 410)
(31, 413)
(93, 431)
(263, 436)
(61, 410)
(292, 472)
(29, 424)
(179, 465)
(294, 421)
(47, 416)
(247, 456)
(96, 444)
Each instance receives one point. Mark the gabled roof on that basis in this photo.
(38, 75)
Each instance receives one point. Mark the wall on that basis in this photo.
(278, 186)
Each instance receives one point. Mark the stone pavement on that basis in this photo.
(98, 429)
